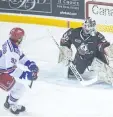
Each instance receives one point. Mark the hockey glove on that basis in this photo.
(29, 75)
(102, 46)
(32, 66)
(109, 51)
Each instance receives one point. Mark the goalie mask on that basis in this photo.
(17, 35)
(89, 27)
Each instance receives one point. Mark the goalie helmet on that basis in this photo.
(16, 35)
(89, 26)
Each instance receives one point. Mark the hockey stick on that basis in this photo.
(73, 68)
(30, 86)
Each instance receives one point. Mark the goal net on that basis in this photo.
(102, 12)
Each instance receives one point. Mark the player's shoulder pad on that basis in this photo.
(100, 36)
(68, 32)
(4, 48)
(71, 31)
(77, 29)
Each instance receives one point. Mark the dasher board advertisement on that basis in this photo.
(57, 8)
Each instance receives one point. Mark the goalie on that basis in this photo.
(90, 58)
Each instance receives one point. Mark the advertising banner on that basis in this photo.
(58, 8)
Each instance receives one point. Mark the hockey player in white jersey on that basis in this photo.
(10, 56)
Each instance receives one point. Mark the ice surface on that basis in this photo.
(53, 95)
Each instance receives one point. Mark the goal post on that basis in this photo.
(102, 12)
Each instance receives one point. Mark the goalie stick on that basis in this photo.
(73, 68)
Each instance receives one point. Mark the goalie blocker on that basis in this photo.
(90, 58)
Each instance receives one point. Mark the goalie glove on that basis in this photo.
(65, 55)
(109, 51)
(103, 45)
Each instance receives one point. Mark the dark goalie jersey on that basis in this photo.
(87, 47)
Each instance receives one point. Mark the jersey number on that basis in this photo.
(13, 60)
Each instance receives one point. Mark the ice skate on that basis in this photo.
(14, 108)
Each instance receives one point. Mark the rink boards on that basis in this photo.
(50, 21)
(99, 11)
(39, 20)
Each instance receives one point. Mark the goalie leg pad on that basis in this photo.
(103, 71)
(6, 81)
(65, 53)
(106, 75)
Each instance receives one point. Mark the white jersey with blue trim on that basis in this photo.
(10, 56)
